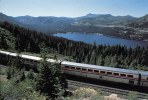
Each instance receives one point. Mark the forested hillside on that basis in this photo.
(141, 22)
(25, 40)
(115, 56)
(7, 40)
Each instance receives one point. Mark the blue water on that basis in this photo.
(101, 39)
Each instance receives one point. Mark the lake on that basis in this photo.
(101, 39)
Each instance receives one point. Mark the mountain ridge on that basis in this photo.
(51, 24)
(60, 24)
(10, 19)
(141, 22)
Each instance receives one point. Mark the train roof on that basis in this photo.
(21, 55)
(30, 57)
(145, 73)
(26, 56)
(8, 53)
(81, 64)
(105, 68)
(4, 52)
(36, 58)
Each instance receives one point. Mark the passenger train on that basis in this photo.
(126, 76)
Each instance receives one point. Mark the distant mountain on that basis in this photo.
(141, 22)
(9, 19)
(45, 24)
(103, 19)
(89, 23)
(62, 24)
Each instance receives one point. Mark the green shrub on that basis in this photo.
(10, 90)
(132, 96)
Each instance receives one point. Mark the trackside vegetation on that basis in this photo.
(50, 80)
(48, 84)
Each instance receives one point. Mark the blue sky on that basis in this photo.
(73, 8)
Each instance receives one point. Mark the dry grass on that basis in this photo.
(112, 97)
(91, 94)
(3, 78)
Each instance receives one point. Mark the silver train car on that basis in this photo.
(126, 76)
(119, 75)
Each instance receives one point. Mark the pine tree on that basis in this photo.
(144, 57)
(99, 60)
(114, 62)
(86, 59)
(29, 47)
(93, 58)
(11, 72)
(50, 80)
(107, 60)
(3, 42)
(18, 46)
(18, 62)
(30, 75)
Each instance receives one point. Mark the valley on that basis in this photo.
(127, 27)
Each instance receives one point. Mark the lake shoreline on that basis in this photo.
(113, 36)
(101, 39)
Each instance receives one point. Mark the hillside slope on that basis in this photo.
(141, 22)
(9, 19)
(7, 40)
(103, 19)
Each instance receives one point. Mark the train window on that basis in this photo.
(116, 74)
(28, 59)
(102, 72)
(77, 68)
(36, 61)
(147, 78)
(72, 67)
(66, 66)
(83, 69)
(109, 73)
(123, 75)
(31, 60)
(13, 57)
(130, 76)
(96, 71)
(90, 70)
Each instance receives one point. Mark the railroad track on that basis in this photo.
(72, 85)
